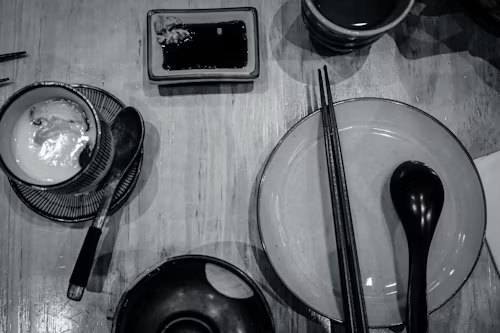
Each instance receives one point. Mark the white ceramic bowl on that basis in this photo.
(102, 154)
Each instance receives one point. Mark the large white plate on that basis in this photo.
(295, 218)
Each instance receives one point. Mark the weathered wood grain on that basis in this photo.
(205, 146)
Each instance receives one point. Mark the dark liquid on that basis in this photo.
(213, 45)
(357, 14)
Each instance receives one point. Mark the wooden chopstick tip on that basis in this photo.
(12, 56)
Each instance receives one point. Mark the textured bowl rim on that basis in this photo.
(189, 258)
(19, 93)
(357, 33)
(262, 175)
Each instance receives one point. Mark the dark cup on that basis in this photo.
(91, 172)
(333, 38)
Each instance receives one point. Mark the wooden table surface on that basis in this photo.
(205, 146)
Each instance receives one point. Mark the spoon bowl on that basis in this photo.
(418, 197)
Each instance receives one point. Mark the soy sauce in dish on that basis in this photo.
(356, 14)
(210, 45)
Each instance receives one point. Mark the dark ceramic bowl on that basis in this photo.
(102, 154)
(338, 39)
(196, 294)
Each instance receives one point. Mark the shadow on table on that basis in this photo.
(149, 169)
(147, 185)
(205, 89)
(436, 27)
(107, 244)
(433, 27)
(294, 53)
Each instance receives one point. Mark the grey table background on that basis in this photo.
(205, 146)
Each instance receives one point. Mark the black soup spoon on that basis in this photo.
(418, 196)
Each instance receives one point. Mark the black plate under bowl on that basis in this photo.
(83, 207)
(193, 294)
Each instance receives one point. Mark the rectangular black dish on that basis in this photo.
(202, 45)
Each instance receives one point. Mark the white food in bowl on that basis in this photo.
(49, 138)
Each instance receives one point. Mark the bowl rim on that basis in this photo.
(190, 258)
(263, 173)
(356, 33)
(56, 186)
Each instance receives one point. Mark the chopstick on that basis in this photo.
(352, 287)
(7, 56)
(12, 55)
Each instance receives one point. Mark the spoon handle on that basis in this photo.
(83, 267)
(416, 310)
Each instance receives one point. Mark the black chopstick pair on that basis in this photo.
(355, 318)
(8, 56)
